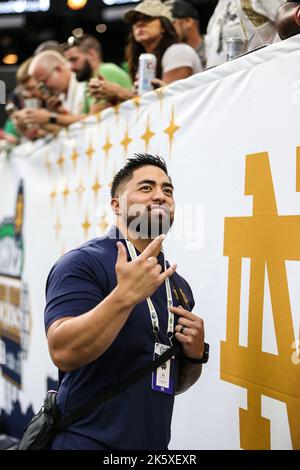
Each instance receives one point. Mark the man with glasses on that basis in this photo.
(52, 72)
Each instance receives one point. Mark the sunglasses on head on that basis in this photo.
(71, 42)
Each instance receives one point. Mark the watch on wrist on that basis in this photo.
(203, 359)
(53, 118)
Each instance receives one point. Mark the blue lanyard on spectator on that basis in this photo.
(153, 314)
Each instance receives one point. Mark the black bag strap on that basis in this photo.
(111, 391)
(114, 390)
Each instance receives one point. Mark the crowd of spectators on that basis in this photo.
(63, 83)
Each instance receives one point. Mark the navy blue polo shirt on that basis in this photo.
(138, 418)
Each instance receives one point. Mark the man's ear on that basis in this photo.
(189, 22)
(115, 205)
(91, 55)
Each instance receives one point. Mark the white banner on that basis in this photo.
(231, 138)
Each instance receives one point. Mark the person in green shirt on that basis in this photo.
(85, 57)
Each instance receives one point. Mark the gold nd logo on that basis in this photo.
(268, 240)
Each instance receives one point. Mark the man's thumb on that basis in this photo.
(122, 256)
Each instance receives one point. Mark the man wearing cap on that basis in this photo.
(186, 23)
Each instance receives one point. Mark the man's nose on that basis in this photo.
(159, 195)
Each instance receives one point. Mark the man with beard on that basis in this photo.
(110, 304)
(85, 57)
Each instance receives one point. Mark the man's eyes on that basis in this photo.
(167, 191)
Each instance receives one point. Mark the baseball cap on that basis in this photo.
(183, 9)
(154, 8)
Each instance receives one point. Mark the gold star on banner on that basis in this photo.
(147, 136)
(117, 111)
(66, 192)
(171, 129)
(86, 226)
(160, 96)
(137, 102)
(61, 160)
(126, 141)
(96, 186)
(80, 190)
(48, 163)
(98, 117)
(103, 223)
(53, 194)
(107, 146)
(90, 152)
(74, 157)
(57, 226)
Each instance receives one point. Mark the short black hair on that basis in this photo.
(133, 163)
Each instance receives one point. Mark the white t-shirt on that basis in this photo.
(73, 101)
(180, 55)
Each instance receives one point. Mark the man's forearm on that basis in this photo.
(51, 128)
(188, 374)
(80, 340)
(66, 120)
(125, 94)
(121, 93)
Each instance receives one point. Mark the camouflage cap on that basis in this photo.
(154, 8)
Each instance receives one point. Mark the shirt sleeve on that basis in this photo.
(180, 55)
(10, 128)
(74, 286)
(185, 290)
(115, 74)
(188, 294)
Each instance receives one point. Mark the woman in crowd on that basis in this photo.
(152, 32)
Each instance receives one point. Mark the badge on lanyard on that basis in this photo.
(162, 378)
